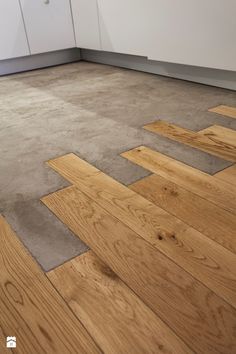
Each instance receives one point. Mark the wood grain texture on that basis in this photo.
(202, 142)
(118, 320)
(71, 170)
(31, 308)
(204, 216)
(224, 110)
(220, 134)
(203, 320)
(3, 349)
(228, 175)
(208, 187)
(204, 259)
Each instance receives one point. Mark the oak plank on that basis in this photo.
(203, 320)
(31, 308)
(224, 110)
(202, 142)
(118, 320)
(220, 134)
(207, 261)
(208, 187)
(70, 168)
(228, 175)
(204, 216)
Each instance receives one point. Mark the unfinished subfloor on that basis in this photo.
(97, 112)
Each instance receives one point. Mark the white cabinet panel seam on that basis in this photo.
(13, 41)
(48, 24)
(86, 22)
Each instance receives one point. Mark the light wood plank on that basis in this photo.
(31, 308)
(218, 133)
(207, 261)
(204, 216)
(224, 110)
(206, 186)
(228, 175)
(202, 142)
(203, 320)
(118, 320)
(68, 163)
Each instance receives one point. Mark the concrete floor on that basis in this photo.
(97, 112)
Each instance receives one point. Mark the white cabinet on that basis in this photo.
(13, 41)
(192, 32)
(48, 24)
(123, 25)
(86, 22)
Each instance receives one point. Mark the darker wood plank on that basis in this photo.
(204, 216)
(208, 187)
(220, 134)
(118, 320)
(203, 320)
(202, 142)
(228, 175)
(31, 308)
(207, 261)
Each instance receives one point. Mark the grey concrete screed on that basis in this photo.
(97, 112)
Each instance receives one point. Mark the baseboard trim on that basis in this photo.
(213, 77)
(31, 62)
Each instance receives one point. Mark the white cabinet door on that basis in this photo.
(85, 15)
(48, 24)
(13, 41)
(122, 24)
(193, 32)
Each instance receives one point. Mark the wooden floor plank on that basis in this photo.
(224, 110)
(118, 320)
(203, 320)
(206, 186)
(228, 175)
(208, 262)
(220, 134)
(202, 142)
(30, 307)
(218, 224)
(71, 170)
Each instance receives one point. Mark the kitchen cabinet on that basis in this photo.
(123, 26)
(86, 22)
(48, 24)
(199, 33)
(13, 40)
(191, 32)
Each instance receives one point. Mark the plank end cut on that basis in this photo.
(224, 110)
(72, 168)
